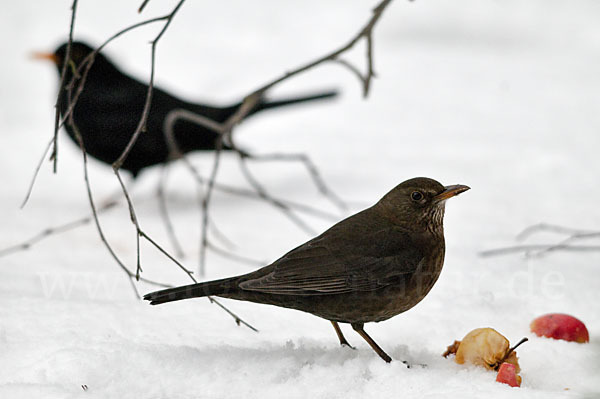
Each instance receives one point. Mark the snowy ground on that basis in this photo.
(502, 96)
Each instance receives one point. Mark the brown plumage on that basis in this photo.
(367, 268)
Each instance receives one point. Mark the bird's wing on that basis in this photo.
(379, 259)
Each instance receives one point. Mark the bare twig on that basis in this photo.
(260, 190)
(54, 230)
(73, 96)
(176, 153)
(79, 78)
(205, 203)
(566, 244)
(251, 194)
(139, 129)
(139, 232)
(536, 250)
(129, 273)
(150, 240)
(352, 68)
(236, 318)
(144, 4)
(37, 171)
(83, 69)
(553, 228)
(142, 123)
(258, 193)
(366, 32)
(60, 95)
(312, 169)
(225, 129)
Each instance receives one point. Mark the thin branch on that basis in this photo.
(236, 318)
(139, 129)
(80, 78)
(261, 191)
(60, 95)
(141, 233)
(205, 205)
(312, 169)
(537, 250)
(258, 193)
(353, 70)
(130, 274)
(142, 123)
(553, 228)
(54, 230)
(186, 271)
(35, 174)
(134, 220)
(225, 135)
(366, 32)
(85, 66)
(225, 130)
(144, 4)
(251, 194)
(175, 153)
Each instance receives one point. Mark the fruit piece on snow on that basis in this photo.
(560, 326)
(508, 375)
(483, 347)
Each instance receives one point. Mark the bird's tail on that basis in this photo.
(215, 287)
(267, 104)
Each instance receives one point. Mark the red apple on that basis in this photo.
(560, 326)
(508, 375)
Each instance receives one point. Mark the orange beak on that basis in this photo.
(450, 191)
(45, 56)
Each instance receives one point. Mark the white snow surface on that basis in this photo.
(500, 95)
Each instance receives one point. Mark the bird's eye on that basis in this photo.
(416, 196)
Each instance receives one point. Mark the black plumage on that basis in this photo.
(111, 104)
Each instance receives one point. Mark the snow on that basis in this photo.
(501, 96)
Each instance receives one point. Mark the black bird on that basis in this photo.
(367, 268)
(111, 105)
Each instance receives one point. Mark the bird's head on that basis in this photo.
(79, 52)
(418, 203)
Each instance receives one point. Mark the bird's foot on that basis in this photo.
(346, 344)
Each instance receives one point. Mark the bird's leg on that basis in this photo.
(341, 337)
(358, 327)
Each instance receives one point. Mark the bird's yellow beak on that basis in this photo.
(45, 56)
(450, 191)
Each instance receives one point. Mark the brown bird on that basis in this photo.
(367, 268)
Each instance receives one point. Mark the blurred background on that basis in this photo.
(499, 95)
